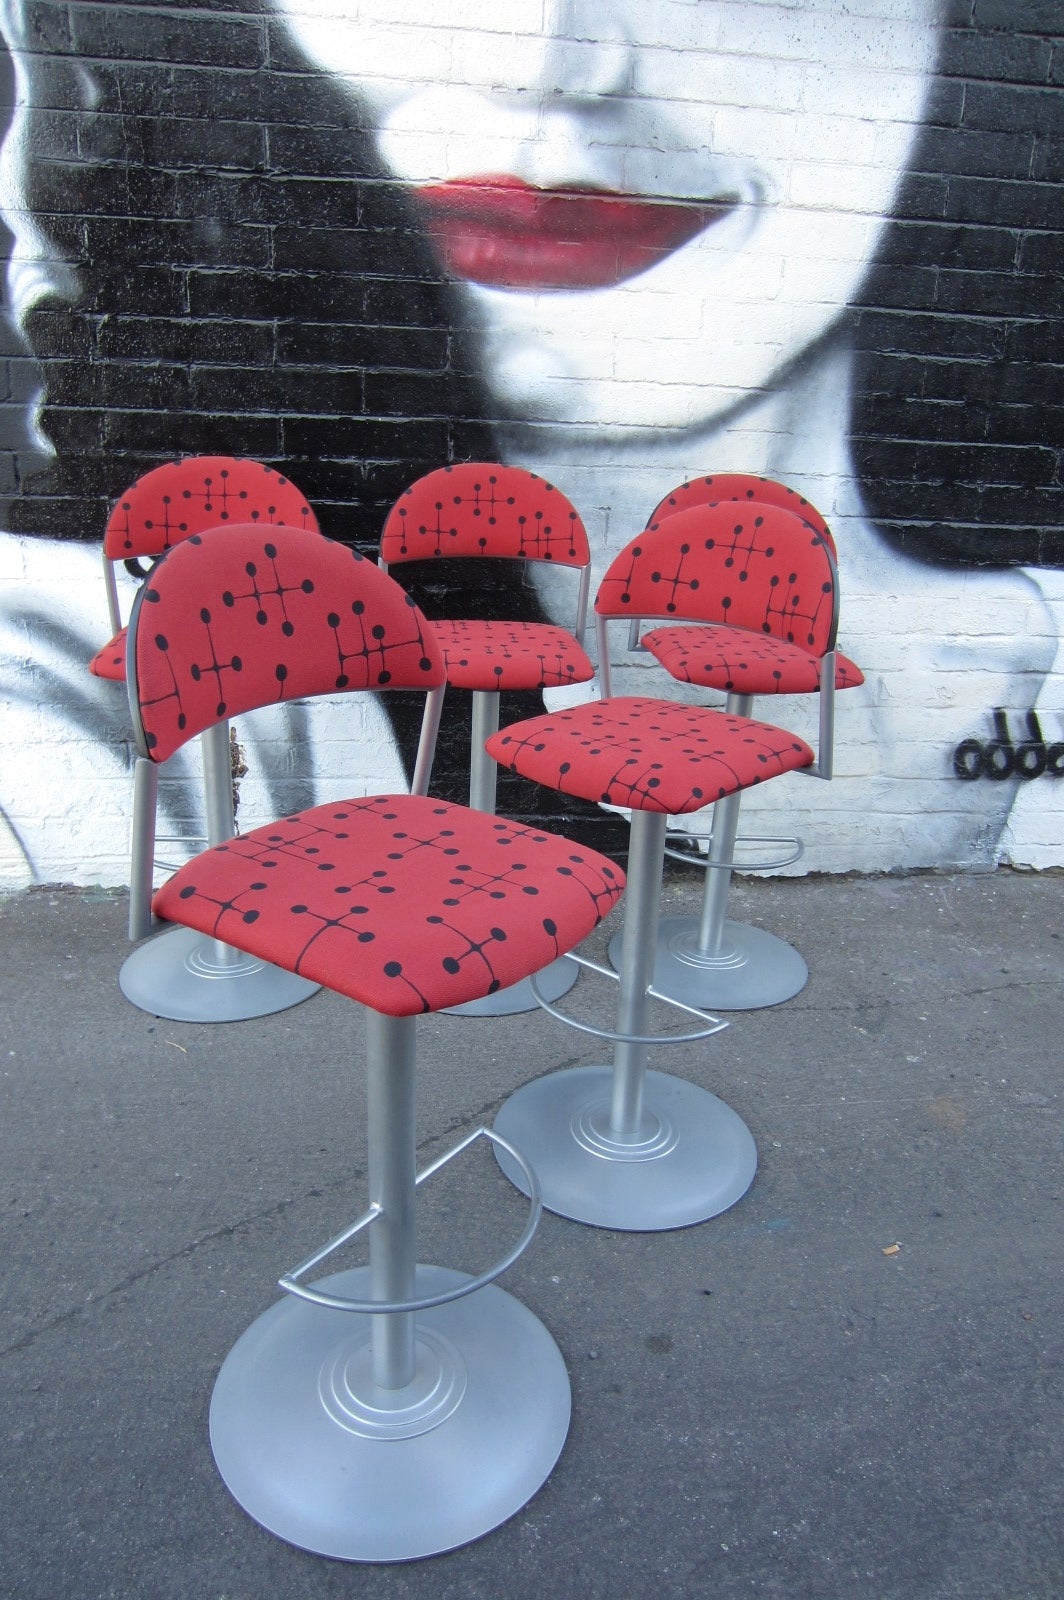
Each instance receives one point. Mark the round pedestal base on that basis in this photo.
(316, 1453)
(694, 1156)
(554, 982)
(754, 968)
(177, 974)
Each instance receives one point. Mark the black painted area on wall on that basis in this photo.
(958, 415)
(246, 279)
(246, 282)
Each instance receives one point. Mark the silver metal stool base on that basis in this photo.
(753, 969)
(179, 974)
(554, 982)
(316, 1453)
(695, 1157)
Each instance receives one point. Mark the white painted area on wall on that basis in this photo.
(728, 354)
(66, 748)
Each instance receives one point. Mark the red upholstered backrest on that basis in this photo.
(180, 498)
(248, 616)
(482, 508)
(745, 486)
(751, 566)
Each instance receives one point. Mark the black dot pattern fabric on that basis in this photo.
(740, 662)
(404, 903)
(484, 509)
(511, 655)
(746, 488)
(650, 755)
(758, 568)
(249, 616)
(190, 496)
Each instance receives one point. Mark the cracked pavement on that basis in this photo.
(769, 1403)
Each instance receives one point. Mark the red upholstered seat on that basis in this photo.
(483, 508)
(746, 589)
(181, 498)
(604, 1141)
(741, 662)
(511, 655)
(404, 903)
(407, 905)
(110, 662)
(651, 755)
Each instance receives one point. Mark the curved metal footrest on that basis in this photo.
(321, 1456)
(715, 1024)
(752, 969)
(691, 1158)
(795, 848)
(319, 1297)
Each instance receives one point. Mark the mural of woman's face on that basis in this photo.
(654, 206)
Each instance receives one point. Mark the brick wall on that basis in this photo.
(213, 249)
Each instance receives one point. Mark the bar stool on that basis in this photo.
(620, 1146)
(754, 589)
(485, 509)
(746, 487)
(386, 1412)
(179, 974)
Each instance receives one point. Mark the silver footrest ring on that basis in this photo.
(715, 1024)
(795, 849)
(291, 1284)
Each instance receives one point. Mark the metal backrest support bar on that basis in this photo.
(426, 745)
(110, 586)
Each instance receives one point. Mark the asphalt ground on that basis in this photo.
(848, 1386)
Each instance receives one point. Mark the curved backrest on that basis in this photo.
(251, 616)
(752, 566)
(482, 508)
(743, 486)
(180, 498)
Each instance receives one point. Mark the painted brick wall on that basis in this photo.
(219, 241)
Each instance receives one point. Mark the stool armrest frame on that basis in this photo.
(142, 847)
(825, 753)
(582, 599)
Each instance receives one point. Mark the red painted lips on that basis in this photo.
(501, 232)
